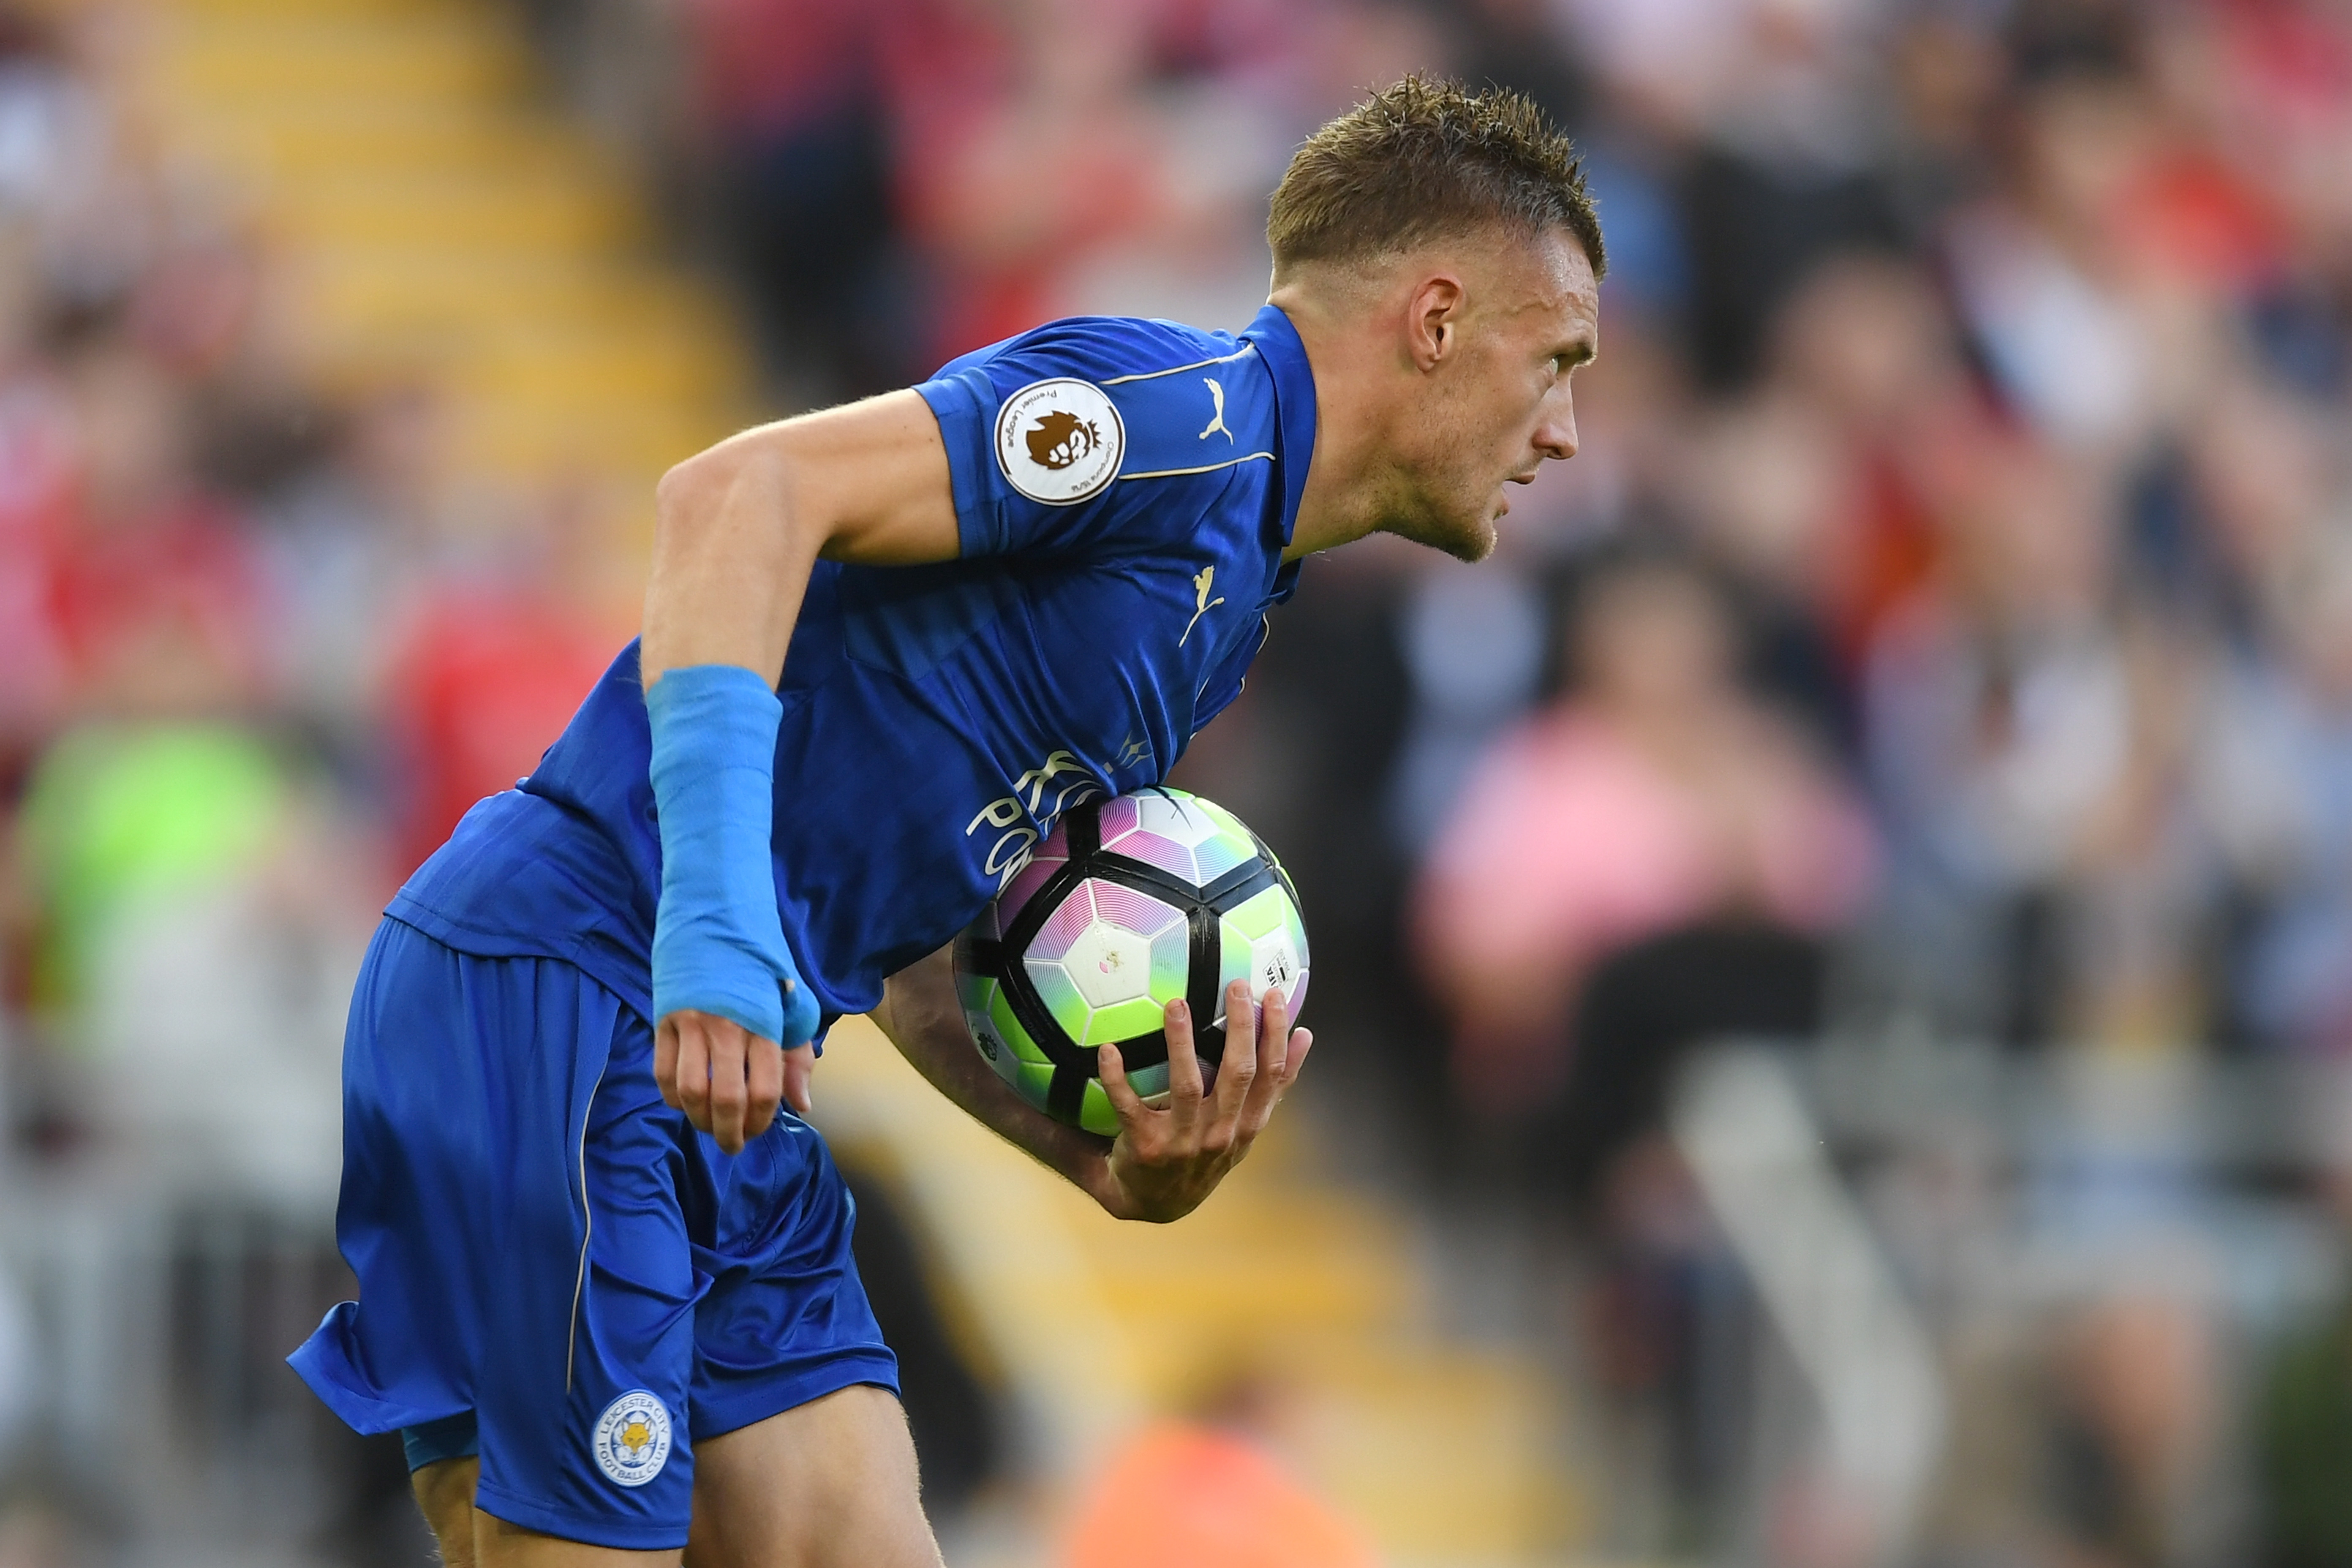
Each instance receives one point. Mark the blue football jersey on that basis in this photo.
(1124, 491)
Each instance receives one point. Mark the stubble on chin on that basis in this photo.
(1475, 540)
(1467, 535)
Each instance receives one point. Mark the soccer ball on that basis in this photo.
(1127, 905)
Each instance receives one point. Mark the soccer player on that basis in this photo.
(605, 1288)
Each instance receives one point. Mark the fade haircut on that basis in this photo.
(1427, 157)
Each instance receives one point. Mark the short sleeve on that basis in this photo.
(1035, 443)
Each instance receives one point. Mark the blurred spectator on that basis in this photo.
(116, 816)
(349, 537)
(1211, 1489)
(2134, 1395)
(2029, 745)
(1765, 102)
(2089, 1439)
(482, 674)
(790, 95)
(159, 587)
(1474, 642)
(2275, 761)
(1649, 866)
(1658, 796)
(1520, 45)
(1820, 487)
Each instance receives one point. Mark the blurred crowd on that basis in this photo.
(261, 644)
(1945, 631)
(262, 647)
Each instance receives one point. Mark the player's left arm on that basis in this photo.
(739, 526)
(1164, 1162)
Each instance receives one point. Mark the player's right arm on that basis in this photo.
(737, 531)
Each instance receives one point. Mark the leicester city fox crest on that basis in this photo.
(632, 1438)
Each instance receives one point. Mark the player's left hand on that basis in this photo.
(1164, 1162)
(725, 1078)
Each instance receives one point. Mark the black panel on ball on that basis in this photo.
(1201, 992)
(1202, 908)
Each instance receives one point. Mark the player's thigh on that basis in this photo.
(470, 1537)
(499, 1544)
(444, 1495)
(830, 1484)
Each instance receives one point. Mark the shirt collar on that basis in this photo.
(1294, 403)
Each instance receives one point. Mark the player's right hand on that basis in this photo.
(726, 1080)
(1166, 1161)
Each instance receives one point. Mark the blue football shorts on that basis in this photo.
(555, 1271)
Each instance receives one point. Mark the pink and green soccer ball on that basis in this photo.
(1129, 904)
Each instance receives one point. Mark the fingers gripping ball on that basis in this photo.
(1129, 905)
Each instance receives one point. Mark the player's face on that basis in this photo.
(1499, 407)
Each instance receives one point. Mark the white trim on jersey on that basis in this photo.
(1178, 370)
(1203, 468)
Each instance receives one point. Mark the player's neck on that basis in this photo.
(1347, 478)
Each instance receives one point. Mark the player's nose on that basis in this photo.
(1555, 433)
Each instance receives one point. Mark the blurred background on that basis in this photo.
(1834, 948)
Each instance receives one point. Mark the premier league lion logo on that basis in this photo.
(1060, 438)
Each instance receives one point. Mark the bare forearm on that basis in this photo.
(921, 1017)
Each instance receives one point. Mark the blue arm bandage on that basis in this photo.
(718, 943)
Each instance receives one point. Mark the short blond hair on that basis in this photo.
(1422, 158)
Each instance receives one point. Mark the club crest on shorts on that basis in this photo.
(1060, 441)
(632, 1438)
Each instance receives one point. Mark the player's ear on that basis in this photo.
(1433, 319)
